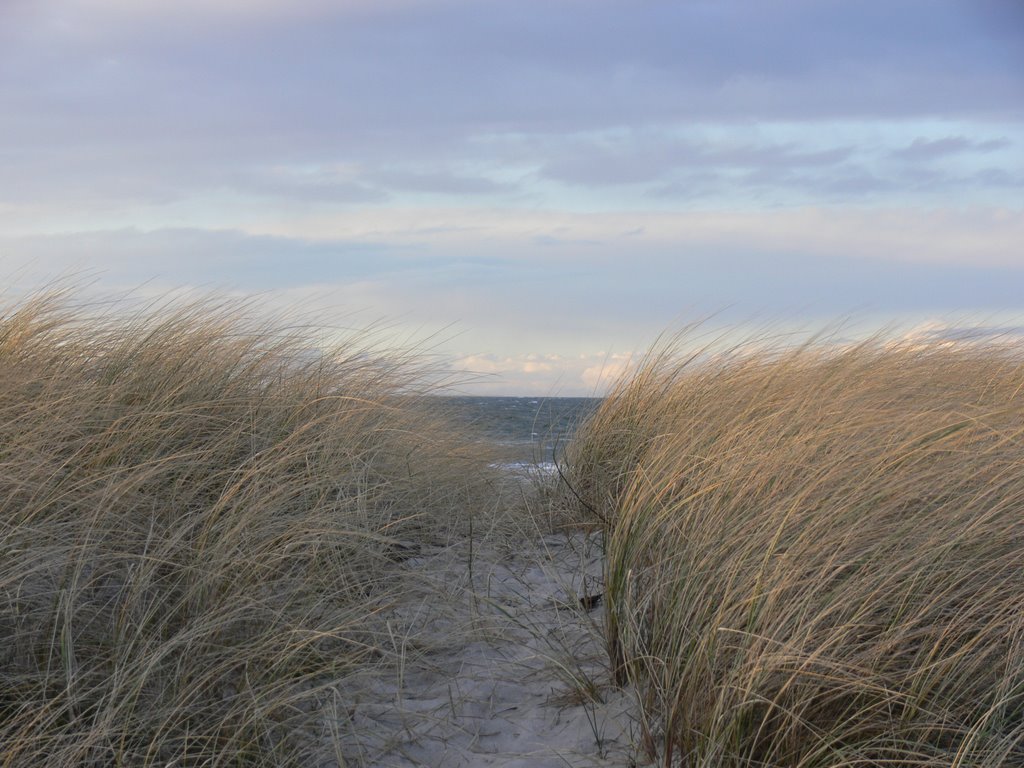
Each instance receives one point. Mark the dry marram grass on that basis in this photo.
(815, 557)
(199, 521)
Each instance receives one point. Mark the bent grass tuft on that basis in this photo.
(199, 522)
(814, 556)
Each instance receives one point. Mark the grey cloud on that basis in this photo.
(143, 110)
(553, 241)
(929, 179)
(836, 174)
(853, 183)
(218, 259)
(998, 177)
(631, 165)
(641, 157)
(437, 182)
(811, 286)
(620, 290)
(849, 182)
(95, 180)
(929, 149)
(317, 185)
(688, 170)
(531, 66)
(690, 186)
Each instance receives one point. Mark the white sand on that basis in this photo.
(502, 667)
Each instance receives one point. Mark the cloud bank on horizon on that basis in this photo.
(548, 184)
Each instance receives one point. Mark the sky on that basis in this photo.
(532, 190)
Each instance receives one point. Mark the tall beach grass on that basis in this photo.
(815, 556)
(198, 523)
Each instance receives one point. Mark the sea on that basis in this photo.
(533, 431)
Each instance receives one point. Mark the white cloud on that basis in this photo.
(1008, 331)
(544, 374)
(600, 376)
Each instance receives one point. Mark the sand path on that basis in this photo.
(502, 664)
